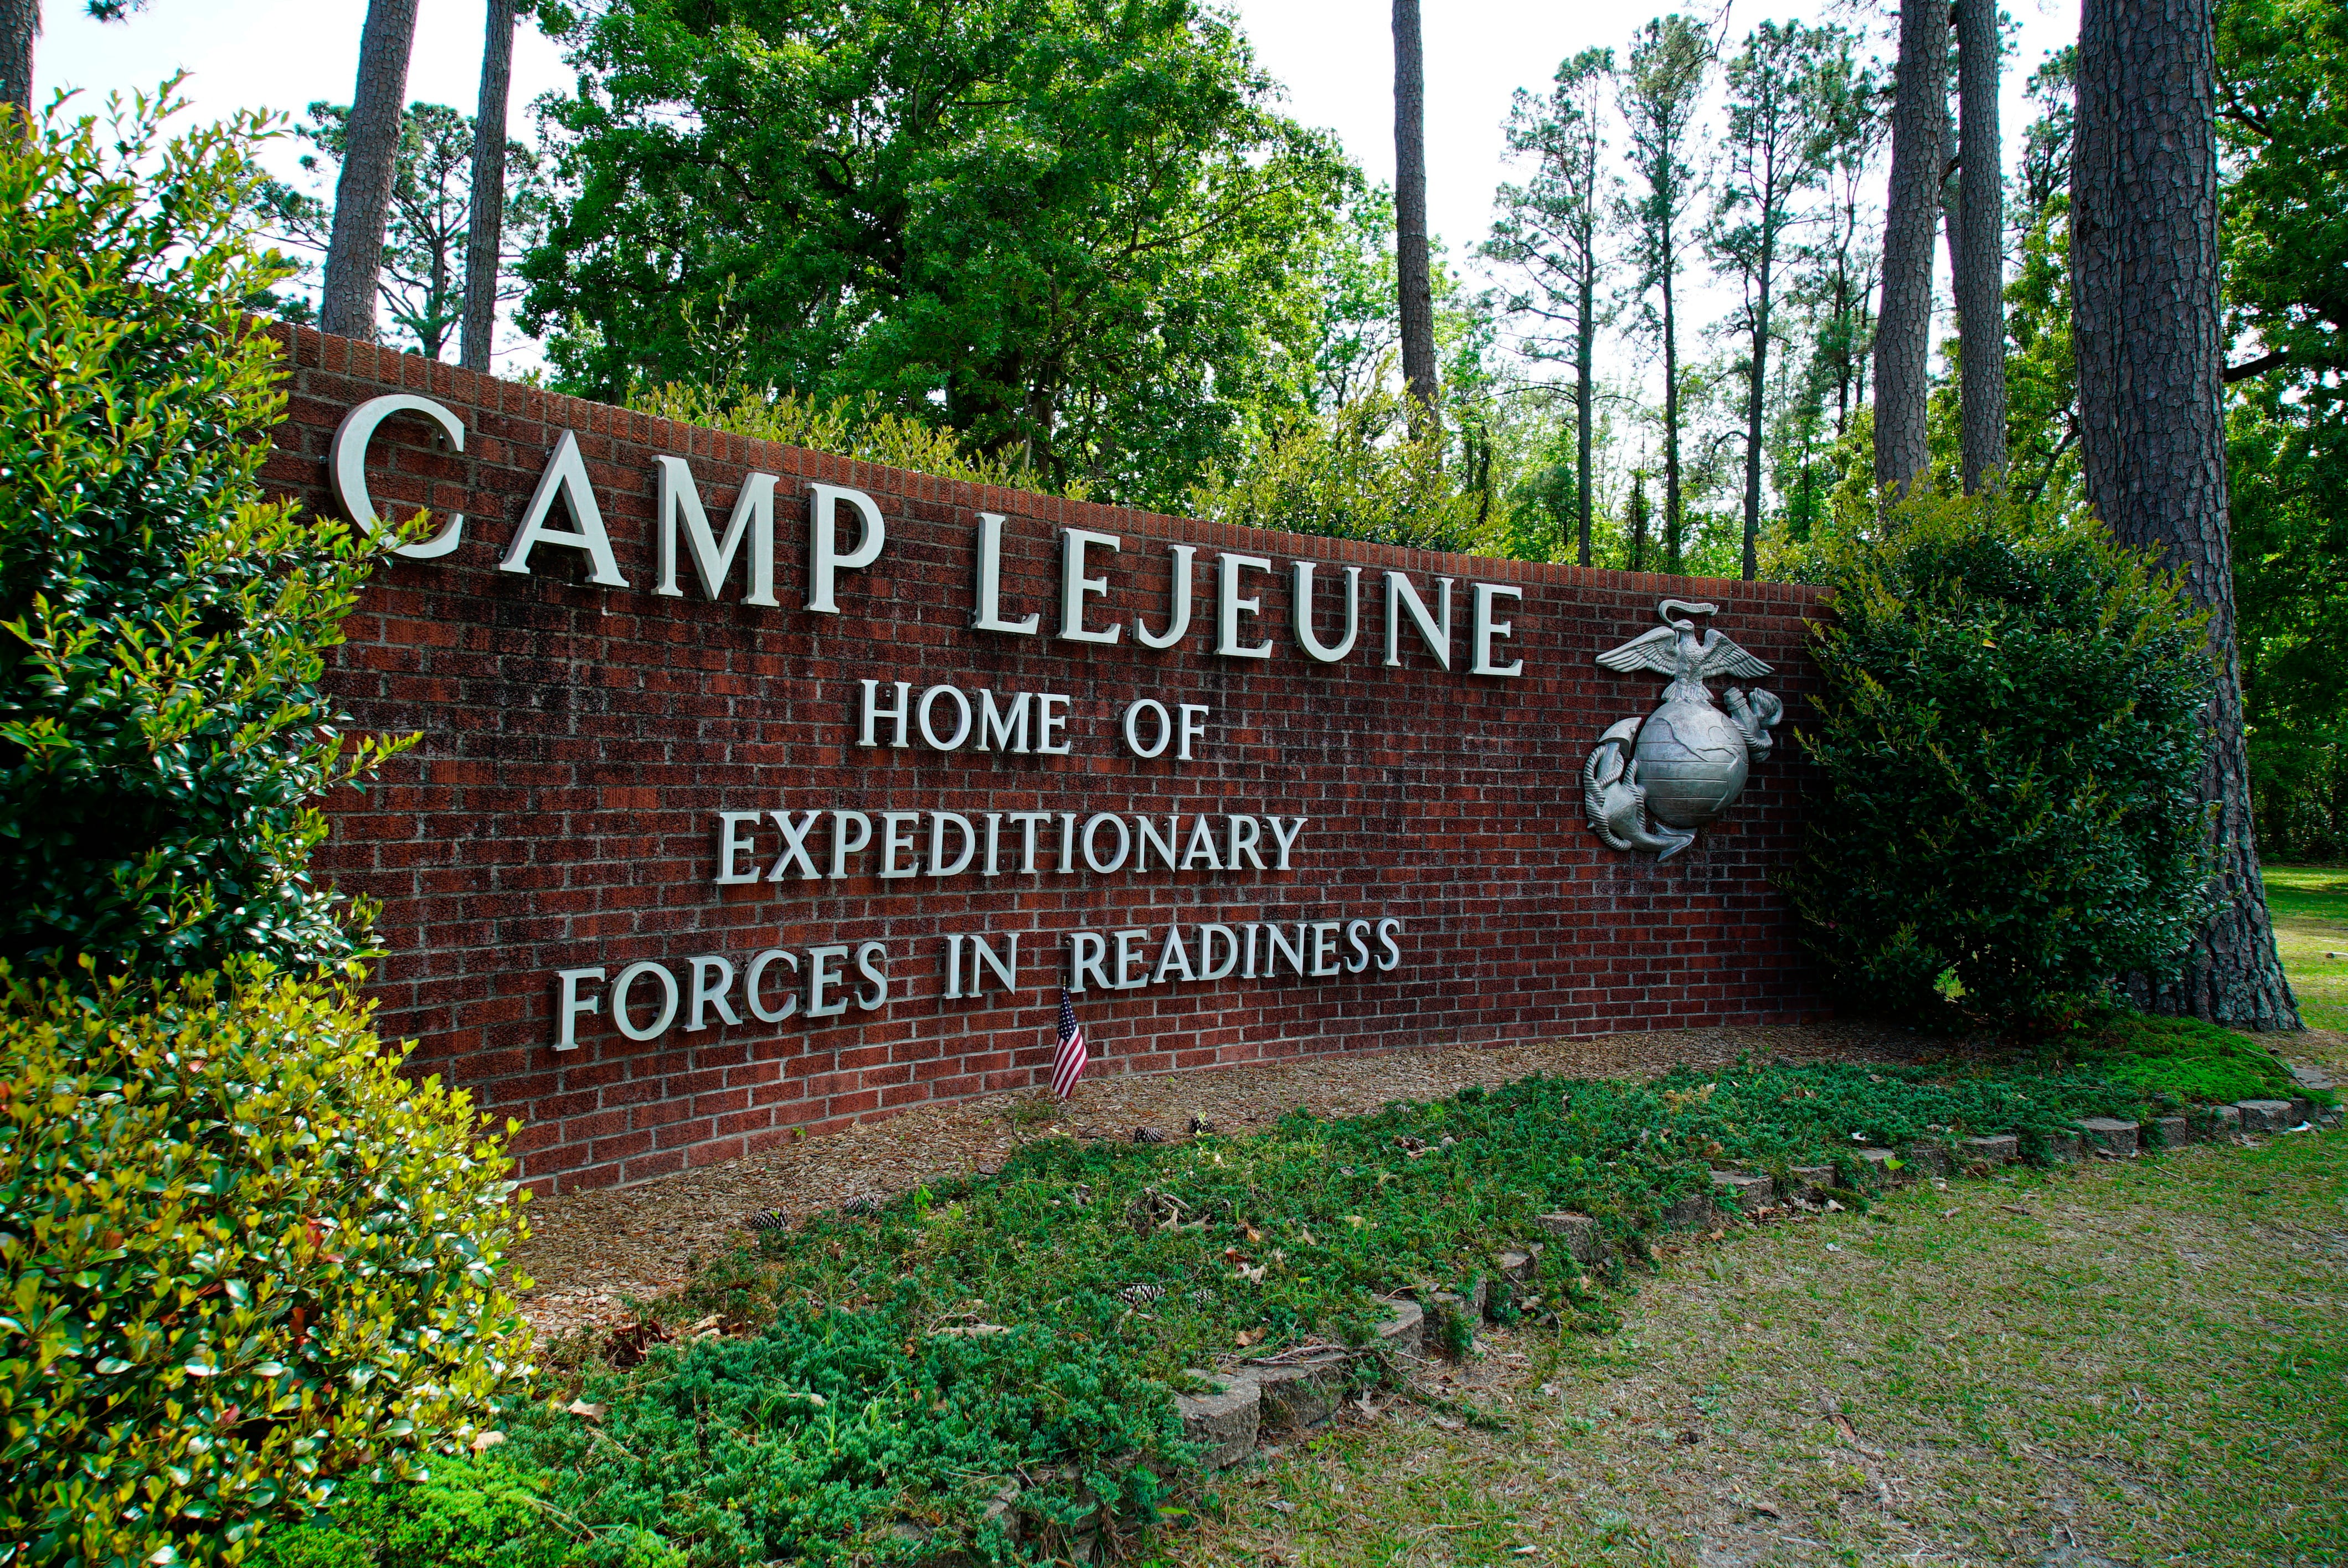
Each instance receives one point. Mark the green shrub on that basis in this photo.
(163, 734)
(1351, 474)
(2010, 738)
(2183, 1059)
(467, 1513)
(243, 1258)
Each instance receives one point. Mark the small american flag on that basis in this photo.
(1069, 1065)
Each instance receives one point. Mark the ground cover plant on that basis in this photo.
(2138, 1359)
(899, 1382)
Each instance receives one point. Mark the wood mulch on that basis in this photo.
(591, 1253)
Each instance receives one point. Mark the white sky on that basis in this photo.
(1336, 55)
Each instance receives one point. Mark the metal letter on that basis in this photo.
(1171, 955)
(825, 563)
(705, 994)
(842, 846)
(1402, 597)
(962, 730)
(1074, 585)
(1086, 951)
(757, 972)
(1129, 955)
(1276, 946)
(1300, 614)
(1483, 629)
(937, 820)
(795, 846)
(1192, 731)
(1202, 845)
(565, 476)
(1357, 936)
(732, 846)
(1147, 839)
(1284, 840)
(821, 979)
(1208, 969)
(1178, 622)
(1230, 607)
(891, 841)
(1245, 842)
(1000, 732)
(872, 713)
(982, 958)
(569, 1005)
(866, 953)
(1124, 841)
(1132, 735)
(678, 499)
(1323, 947)
(346, 467)
(1386, 929)
(989, 616)
(1046, 722)
(628, 978)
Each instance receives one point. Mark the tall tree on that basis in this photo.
(485, 227)
(1774, 153)
(1549, 228)
(2150, 347)
(916, 201)
(1980, 253)
(20, 24)
(362, 195)
(1904, 328)
(1411, 266)
(1838, 282)
(1661, 92)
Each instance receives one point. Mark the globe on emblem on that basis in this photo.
(1692, 761)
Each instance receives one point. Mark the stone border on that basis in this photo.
(1303, 1388)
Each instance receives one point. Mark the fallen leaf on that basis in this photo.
(1766, 1510)
(1248, 1337)
(1280, 1505)
(582, 1408)
(487, 1440)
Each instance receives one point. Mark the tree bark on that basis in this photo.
(1756, 395)
(1904, 328)
(1412, 275)
(2148, 335)
(370, 164)
(1674, 541)
(1583, 370)
(485, 225)
(1981, 254)
(20, 24)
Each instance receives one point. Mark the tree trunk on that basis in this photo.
(370, 164)
(20, 24)
(1673, 541)
(2149, 340)
(1753, 408)
(1582, 371)
(1412, 277)
(1981, 256)
(485, 225)
(1903, 329)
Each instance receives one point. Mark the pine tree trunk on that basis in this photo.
(370, 164)
(2149, 337)
(485, 226)
(1903, 329)
(1980, 255)
(1583, 371)
(1752, 410)
(20, 24)
(1412, 273)
(1673, 543)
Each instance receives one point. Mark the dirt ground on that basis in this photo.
(591, 1253)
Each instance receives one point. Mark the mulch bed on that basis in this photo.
(592, 1253)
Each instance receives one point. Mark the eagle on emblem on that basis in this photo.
(1650, 784)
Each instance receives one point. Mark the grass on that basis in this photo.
(2145, 1357)
(2310, 904)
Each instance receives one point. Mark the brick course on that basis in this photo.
(578, 741)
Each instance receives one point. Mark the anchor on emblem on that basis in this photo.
(1651, 783)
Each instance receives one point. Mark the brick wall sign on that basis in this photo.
(758, 789)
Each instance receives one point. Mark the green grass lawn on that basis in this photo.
(2310, 916)
(2145, 1358)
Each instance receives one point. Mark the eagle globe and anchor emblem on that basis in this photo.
(1650, 784)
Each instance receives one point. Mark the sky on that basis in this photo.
(1335, 57)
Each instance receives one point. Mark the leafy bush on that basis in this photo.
(2010, 738)
(1351, 474)
(161, 730)
(861, 429)
(242, 1257)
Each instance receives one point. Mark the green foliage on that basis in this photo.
(1075, 230)
(861, 429)
(161, 627)
(244, 1258)
(2010, 744)
(466, 1513)
(1353, 473)
(2198, 1063)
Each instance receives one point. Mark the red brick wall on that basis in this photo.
(578, 741)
